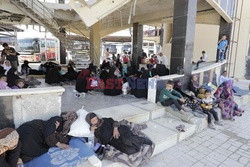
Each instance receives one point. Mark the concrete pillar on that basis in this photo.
(63, 53)
(167, 36)
(137, 44)
(61, 1)
(95, 44)
(184, 22)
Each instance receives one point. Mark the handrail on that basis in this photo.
(41, 10)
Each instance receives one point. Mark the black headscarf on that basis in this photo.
(12, 77)
(50, 126)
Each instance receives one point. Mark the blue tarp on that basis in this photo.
(56, 157)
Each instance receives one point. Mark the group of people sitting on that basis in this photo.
(204, 98)
(34, 138)
(116, 78)
(9, 78)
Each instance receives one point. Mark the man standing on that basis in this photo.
(10, 54)
(222, 45)
(106, 54)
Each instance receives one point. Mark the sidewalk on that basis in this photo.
(228, 146)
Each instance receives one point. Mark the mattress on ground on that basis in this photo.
(56, 157)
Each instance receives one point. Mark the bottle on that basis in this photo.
(91, 140)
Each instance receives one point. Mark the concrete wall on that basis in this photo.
(243, 43)
(24, 105)
(209, 74)
(206, 38)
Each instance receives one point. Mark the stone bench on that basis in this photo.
(27, 104)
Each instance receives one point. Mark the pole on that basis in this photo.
(45, 43)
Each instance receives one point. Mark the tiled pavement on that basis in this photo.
(229, 146)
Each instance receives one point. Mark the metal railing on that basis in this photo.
(40, 10)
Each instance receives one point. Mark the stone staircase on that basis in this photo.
(81, 59)
(44, 17)
(161, 124)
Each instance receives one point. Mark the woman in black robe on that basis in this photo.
(38, 136)
(12, 77)
(54, 76)
(108, 131)
(71, 73)
(113, 85)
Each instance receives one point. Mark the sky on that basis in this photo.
(31, 33)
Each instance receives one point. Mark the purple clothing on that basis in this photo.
(226, 98)
(3, 85)
(15, 87)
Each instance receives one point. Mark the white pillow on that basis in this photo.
(80, 128)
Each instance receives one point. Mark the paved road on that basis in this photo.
(228, 146)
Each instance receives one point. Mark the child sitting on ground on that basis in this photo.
(207, 108)
(25, 68)
(3, 82)
(169, 96)
(19, 84)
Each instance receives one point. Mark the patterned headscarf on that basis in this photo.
(92, 115)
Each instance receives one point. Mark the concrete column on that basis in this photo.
(184, 22)
(61, 1)
(166, 47)
(137, 44)
(95, 44)
(63, 53)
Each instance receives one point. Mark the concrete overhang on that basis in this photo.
(219, 9)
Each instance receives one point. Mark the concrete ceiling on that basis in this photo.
(152, 12)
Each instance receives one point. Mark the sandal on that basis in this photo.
(181, 128)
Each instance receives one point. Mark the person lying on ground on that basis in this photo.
(9, 147)
(108, 131)
(38, 136)
(169, 96)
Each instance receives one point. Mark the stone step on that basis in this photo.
(162, 131)
(161, 126)
(137, 112)
(242, 100)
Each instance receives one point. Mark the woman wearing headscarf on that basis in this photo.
(71, 73)
(196, 88)
(6, 66)
(108, 131)
(113, 85)
(226, 101)
(54, 76)
(38, 136)
(81, 81)
(9, 147)
(12, 77)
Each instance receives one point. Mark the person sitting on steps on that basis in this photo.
(169, 96)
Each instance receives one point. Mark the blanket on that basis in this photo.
(68, 119)
(138, 159)
(56, 157)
